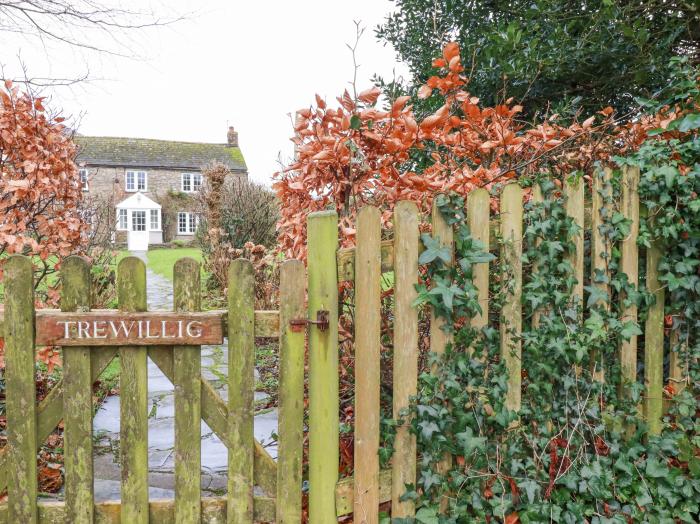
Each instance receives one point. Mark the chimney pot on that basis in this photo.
(232, 137)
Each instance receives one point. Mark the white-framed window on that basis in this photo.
(191, 182)
(122, 220)
(84, 179)
(138, 221)
(136, 181)
(187, 223)
(155, 220)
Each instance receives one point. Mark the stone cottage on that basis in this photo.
(150, 184)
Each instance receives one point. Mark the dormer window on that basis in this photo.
(191, 182)
(136, 181)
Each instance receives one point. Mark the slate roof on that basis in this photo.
(150, 153)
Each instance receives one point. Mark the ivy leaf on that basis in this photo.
(427, 516)
(469, 442)
(656, 469)
(530, 487)
(428, 428)
(434, 250)
(595, 325)
(644, 499)
(596, 295)
(447, 291)
(630, 329)
(694, 467)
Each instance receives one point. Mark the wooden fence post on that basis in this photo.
(21, 393)
(600, 253)
(323, 367)
(478, 203)
(511, 325)
(367, 363)
(442, 230)
(77, 399)
(405, 361)
(241, 373)
(537, 198)
(574, 193)
(290, 447)
(133, 392)
(188, 411)
(438, 338)
(654, 345)
(629, 265)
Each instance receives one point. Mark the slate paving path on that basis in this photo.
(161, 421)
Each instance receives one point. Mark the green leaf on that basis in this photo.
(688, 122)
(427, 516)
(630, 329)
(469, 442)
(355, 122)
(434, 250)
(656, 469)
(530, 487)
(694, 467)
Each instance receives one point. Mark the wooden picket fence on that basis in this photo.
(249, 465)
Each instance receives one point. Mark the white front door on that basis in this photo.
(138, 232)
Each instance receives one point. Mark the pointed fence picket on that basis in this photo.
(29, 423)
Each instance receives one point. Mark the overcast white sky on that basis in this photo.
(247, 64)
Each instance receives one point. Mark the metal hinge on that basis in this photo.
(322, 322)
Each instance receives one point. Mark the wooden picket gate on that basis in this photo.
(71, 400)
(249, 464)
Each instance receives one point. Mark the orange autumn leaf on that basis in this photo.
(370, 96)
(425, 92)
(512, 518)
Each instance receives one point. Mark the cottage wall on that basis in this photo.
(163, 186)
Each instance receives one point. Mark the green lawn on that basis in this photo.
(161, 261)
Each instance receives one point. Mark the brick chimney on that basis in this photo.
(232, 137)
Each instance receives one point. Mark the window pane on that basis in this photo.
(142, 180)
(196, 182)
(182, 222)
(186, 182)
(122, 219)
(154, 220)
(194, 219)
(130, 185)
(138, 221)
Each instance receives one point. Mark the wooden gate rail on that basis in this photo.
(267, 323)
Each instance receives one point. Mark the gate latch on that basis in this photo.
(298, 324)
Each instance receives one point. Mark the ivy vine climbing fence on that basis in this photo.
(306, 323)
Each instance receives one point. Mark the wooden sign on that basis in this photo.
(115, 328)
